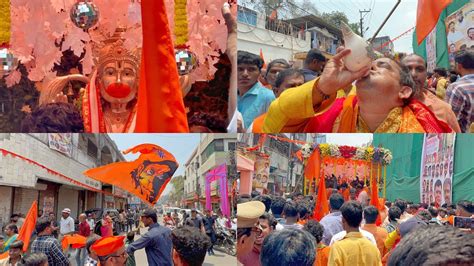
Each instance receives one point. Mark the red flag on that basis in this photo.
(261, 56)
(27, 228)
(146, 177)
(322, 206)
(160, 106)
(427, 16)
(299, 155)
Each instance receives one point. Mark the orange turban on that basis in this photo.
(108, 245)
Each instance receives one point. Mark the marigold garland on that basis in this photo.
(181, 22)
(5, 22)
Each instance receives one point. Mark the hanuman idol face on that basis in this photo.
(118, 72)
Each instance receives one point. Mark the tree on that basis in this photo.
(337, 17)
(177, 193)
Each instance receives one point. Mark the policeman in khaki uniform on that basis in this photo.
(247, 226)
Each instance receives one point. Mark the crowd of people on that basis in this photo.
(324, 96)
(184, 244)
(273, 230)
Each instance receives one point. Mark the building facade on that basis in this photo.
(212, 151)
(286, 172)
(48, 168)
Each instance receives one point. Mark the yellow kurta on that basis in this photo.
(354, 250)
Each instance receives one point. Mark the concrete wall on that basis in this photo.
(5, 204)
(68, 198)
(273, 44)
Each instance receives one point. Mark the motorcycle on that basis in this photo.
(225, 239)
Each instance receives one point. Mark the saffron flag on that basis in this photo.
(27, 228)
(75, 240)
(374, 198)
(160, 106)
(313, 166)
(263, 58)
(146, 177)
(321, 206)
(428, 14)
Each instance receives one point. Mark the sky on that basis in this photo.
(401, 20)
(356, 140)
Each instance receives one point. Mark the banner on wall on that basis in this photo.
(437, 164)
(459, 30)
(261, 174)
(61, 142)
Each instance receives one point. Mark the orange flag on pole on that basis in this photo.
(374, 198)
(146, 177)
(261, 56)
(313, 166)
(160, 106)
(75, 240)
(321, 206)
(27, 228)
(427, 16)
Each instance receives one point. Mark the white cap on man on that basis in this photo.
(66, 210)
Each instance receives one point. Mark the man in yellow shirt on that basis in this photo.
(383, 102)
(354, 248)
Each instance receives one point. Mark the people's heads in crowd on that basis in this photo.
(267, 224)
(248, 214)
(423, 215)
(254, 194)
(110, 250)
(290, 210)
(244, 198)
(315, 229)
(11, 229)
(149, 217)
(274, 68)
(16, 249)
(43, 226)
(265, 199)
(336, 201)
(434, 245)
(440, 72)
(394, 214)
(388, 204)
(433, 211)
(352, 193)
(351, 214)
(303, 210)
(402, 204)
(189, 246)
(315, 60)
(34, 259)
(442, 212)
(417, 67)
(53, 118)
(470, 33)
(131, 236)
(464, 61)
(249, 67)
(89, 242)
(286, 79)
(413, 208)
(277, 206)
(464, 208)
(288, 247)
(14, 218)
(388, 82)
(370, 214)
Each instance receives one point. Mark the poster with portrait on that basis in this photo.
(61, 142)
(460, 30)
(436, 173)
(261, 174)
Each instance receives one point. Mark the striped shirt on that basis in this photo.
(460, 95)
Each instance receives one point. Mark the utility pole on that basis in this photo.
(362, 21)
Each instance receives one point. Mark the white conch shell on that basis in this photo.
(361, 52)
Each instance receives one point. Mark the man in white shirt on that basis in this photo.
(342, 234)
(66, 224)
